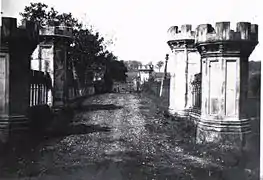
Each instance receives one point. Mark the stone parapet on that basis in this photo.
(59, 31)
(28, 31)
(245, 31)
(184, 33)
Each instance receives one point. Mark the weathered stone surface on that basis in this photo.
(228, 138)
(224, 55)
(51, 57)
(187, 64)
(245, 31)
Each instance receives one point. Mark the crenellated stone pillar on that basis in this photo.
(187, 64)
(17, 45)
(224, 55)
(51, 57)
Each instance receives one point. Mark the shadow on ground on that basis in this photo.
(74, 129)
(97, 107)
(46, 125)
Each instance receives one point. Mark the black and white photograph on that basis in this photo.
(130, 90)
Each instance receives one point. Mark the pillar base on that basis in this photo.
(10, 124)
(194, 115)
(179, 113)
(230, 132)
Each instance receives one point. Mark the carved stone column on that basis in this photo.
(224, 55)
(17, 45)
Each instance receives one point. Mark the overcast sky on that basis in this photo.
(138, 27)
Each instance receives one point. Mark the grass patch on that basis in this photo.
(223, 161)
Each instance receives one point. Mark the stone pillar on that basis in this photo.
(17, 45)
(145, 73)
(53, 50)
(224, 55)
(187, 64)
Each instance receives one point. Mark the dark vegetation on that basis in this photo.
(88, 53)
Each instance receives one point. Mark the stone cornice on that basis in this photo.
(189, 50)
(57, 31)
(182, 43)
(226, 48)
(55, 38)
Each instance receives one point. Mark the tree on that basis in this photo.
(36, 12)
(117, 71)
(87, 53)
(159, 65)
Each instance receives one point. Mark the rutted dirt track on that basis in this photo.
(113, 136)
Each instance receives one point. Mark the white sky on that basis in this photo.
(139, 27)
